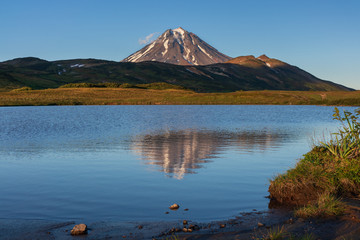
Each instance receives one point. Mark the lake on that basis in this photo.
(130, 163)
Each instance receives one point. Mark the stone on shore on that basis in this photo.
(260, 224)
(79, 229)
(174, 206)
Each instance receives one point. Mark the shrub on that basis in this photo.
(79, 85)
(112, 85)
(22, 89)
(128, 85)
(345, 143)
(159, 86)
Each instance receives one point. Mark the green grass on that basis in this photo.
(327, 172)
(276, 233)
(325, 206)
(140, 96)
(317, 173)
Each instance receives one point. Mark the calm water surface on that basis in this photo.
(129, 163)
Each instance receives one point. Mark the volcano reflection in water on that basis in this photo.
(179, 152)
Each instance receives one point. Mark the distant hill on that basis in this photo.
(283, 76)
(180, 47)
(242, 73)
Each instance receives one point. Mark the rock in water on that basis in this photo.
(174, 206)
(79, 229)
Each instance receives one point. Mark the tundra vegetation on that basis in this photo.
(156, 85)
(325, 175)
(166, 94)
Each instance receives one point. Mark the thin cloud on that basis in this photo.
(149, 38)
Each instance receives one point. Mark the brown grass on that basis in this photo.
(118, 96)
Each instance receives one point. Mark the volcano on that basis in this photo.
(180, 47)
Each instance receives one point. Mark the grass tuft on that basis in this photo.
(308, 236)
(276, 233)
(279, 233)
(345, 144)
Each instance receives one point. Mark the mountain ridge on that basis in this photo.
(241, 73)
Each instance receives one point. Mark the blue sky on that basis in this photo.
(321, 37)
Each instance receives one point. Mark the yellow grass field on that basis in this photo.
(130, 96)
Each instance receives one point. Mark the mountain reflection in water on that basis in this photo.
(179, 152)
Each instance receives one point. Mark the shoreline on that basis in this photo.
(244, 226)
(56, 229)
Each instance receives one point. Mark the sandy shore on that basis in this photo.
(244, 226)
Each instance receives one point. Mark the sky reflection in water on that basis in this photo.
(129, 163)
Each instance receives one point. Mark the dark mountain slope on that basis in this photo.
(243, 73)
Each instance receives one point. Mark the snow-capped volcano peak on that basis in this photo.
(178, 46)
(179, 30)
